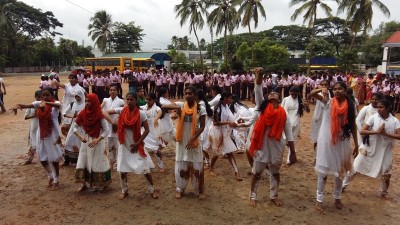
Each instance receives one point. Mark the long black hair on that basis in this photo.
(351, 114)
(300, 110)
(201, 96)
(135, 96)
(236, 100)
(218, 109)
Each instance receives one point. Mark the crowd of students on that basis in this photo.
(102, 130)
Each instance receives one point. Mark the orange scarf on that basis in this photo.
(186, 111)
(271, 117)
(336, 112)
(45, 120)
(130, 119)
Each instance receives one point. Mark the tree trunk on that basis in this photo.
(312, 44)
(353, 39)
(251, 43)
(225, 49)
(198, 44)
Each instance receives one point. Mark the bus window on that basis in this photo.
(135, 63)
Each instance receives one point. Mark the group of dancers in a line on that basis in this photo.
(207, 129)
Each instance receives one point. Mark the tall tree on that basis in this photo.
(127, 37)
(359, 14)
(224, 18)
(334, 30)
(100, 29)
(309, 7)
(249, 10)
(192, 10)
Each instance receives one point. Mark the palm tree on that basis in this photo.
(193, 11)
(310, 8)
(100, 29)
(359, 14)
(224, 18)
(250, 9)
(174, 41)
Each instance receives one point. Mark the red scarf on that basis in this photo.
(271, 117)
(336, 112)
(90, 118)
(45, 120)
(131, 120)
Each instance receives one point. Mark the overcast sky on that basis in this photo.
(158, 21)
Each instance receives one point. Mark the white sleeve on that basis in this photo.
(259, 98)
(215, 101)
(360, 118)
(119, 110)
(67, 109)
(143, 116)
(105, 129)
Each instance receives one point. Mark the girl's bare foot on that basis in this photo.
(55, 187)
(384, 196)
(82, 188)
(162, 170)
(202, 196)
(154, 194)
(277, 202)
(123, 195)
(252, 203)
(318, 206)
(338, 204)
(238, 177)
(178, 195)
(206, 167)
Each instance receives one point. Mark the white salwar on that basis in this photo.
(93, 166)
(189, 163)
(331, 159)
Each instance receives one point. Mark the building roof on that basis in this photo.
(393, 41)
(158, 56)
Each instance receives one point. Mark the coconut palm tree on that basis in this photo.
(224, 18)
(309, 7)
(100, 29)
(359, 14)
(192, 10)
(250, 9)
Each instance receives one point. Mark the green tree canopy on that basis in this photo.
(127, 37)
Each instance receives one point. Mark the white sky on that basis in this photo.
(158, 21)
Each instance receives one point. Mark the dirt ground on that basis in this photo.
(25, 199)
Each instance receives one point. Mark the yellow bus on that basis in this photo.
(120, 63)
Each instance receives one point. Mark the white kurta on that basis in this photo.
(205, 142)
(166, 127)
(33, 127)
(291, 106)
(47, 148)
(316, 121)
(332, 159)
(365, 113)
(110, 104)
(128, 161)
(240, 133)
(376, 159)
(72, 140)
(93, 165)
(182, 154)
(227, 145)
(152, 140)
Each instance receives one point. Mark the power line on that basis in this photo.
(79, 6)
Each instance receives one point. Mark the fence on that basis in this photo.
(34, 69)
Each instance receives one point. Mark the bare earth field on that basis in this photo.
(25, 199)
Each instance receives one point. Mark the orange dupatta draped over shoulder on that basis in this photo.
(336, 112)
(130, 119)
(271, 117)
(179, 127)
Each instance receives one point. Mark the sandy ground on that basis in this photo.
(25, 199)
